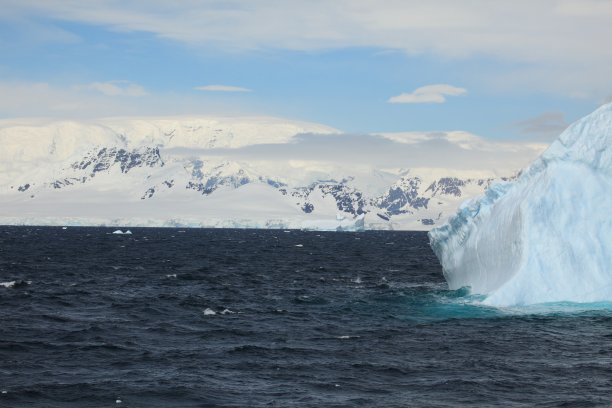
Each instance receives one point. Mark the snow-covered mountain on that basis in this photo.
(182, 172)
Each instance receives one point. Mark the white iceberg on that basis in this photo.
(545, 237)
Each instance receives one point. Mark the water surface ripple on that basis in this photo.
(249, 318)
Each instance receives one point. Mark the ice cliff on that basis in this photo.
(545, 237)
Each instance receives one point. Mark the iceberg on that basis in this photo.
(547, 235)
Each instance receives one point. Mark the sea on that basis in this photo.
(273, 318)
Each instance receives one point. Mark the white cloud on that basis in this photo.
(222, 88)
(555, 39)
(117, 88)
(428, 94)
(100, 99)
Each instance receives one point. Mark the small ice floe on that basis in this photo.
(64, 228)
(383, 283)
(299, 245)
(347, 337)
(287, 231)
(118, 401)
(15, 284)
(227, 311)
(209, 312)
(172, 275)
(119, 232)
(4, 392)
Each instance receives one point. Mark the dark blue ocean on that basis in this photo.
(253, 318)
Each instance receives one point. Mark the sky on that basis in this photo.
(520, 70)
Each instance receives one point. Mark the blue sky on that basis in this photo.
(519, 71)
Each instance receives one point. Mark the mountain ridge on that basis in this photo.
(166, 172)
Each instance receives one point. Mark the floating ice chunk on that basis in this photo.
(15, 284)
(117, 232)
(547, 236)
(209, 312)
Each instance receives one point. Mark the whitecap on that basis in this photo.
(299, 245)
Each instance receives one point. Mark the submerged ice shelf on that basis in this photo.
(547, 236)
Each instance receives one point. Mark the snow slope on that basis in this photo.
(545, 237)
(180, 172)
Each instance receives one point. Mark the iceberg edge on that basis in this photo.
(545, 237)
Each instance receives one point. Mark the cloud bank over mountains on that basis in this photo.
(450, 150)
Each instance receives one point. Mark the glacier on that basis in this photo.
(546, 236)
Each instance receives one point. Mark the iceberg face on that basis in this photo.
(547, 236)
